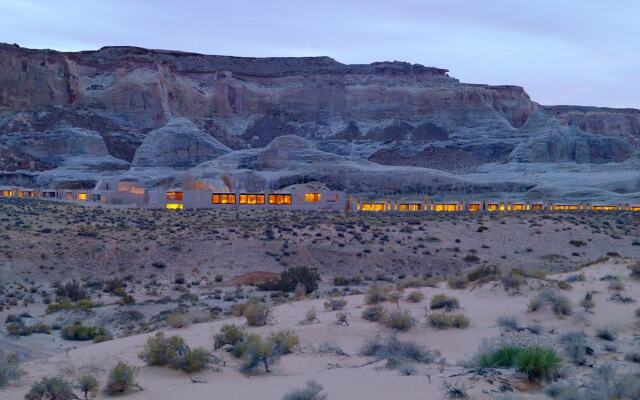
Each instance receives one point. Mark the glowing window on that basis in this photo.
(280, 199)
(7, 193)
(519, 207)
(175, 196)
(312, 197)
(409, 207)
(372, 207)
(604, 208)
(445, 207)
(247, 198)
(537, 207)
(634, 208)
(175, 206)
(82, 196)
(223, 198)
(493, 207)
(474, 207)
(566, 207)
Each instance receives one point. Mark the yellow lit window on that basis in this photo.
(604, 208)
(519, 207)
(537, 207)
(174, 206)
(493, 207)
(312, 197)
(223, 198)
(175, 196)
(474, 207)
(372, 207)
(280, 199)
(566, 207)
(409, 207)
(82, 196)
(246, 198)
(7, 193)
(634, 208)
(445, 207)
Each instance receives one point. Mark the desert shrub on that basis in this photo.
(606, 333)
(173, 352)
(483, 273)
(342, 318)
(377, 294)
(605, 383)
(396, 352)
(55, 388)
(575, 345)
(121, 378)
(399, 320)
(537, 363)
(560, 304)
(18, 328)
(40, 327)
(441, 301)
(257, 352)
(72, 291)
(256, 313)
(81, 333)
(177, 320)
(311, 316)
(509, 323)
(635, 270)
(457, 281)
(535, 328)
(513, 280)
(284, 341)
(290, 278)
(407, 369)
(313, 391)
(9, 368)
(88, 384)
(442, 320)
(415, 296)
(587, 302)
(374, 313)
(335, 304)
(229, 335)
(503, 357)
(633, 356)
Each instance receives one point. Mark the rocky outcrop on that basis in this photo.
(179, 144)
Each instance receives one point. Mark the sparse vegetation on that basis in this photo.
(121, 379)
(509, 323)
(55, 388)
(560, 304)
(174, 352)
(374, 313)
(575, 346)
(442, 301)
(537, 363)
(335, 304)
(415, 296)
(312, 391)
(399, 320)
(396, 352)
(290, 278)
(88, 384)
(9, 368)
(79, 332)
(443, 320)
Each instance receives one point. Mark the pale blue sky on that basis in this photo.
(563, 52)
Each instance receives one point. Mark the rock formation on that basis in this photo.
(390, 113)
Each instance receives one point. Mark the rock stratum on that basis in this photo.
(381, 128)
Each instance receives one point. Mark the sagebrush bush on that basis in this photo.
(415, 296)
(177, 320)
(377, 294)
(335, 304)
(560, 304)
(312, 391)
(396, 352)
(509, 323)
(284, 341)
(72, 291)
(256, 313)
(575, 345)
(483, 273)
(374, 313)
(399, 320)
(174, 352)
(121, 378)
(194, 360)
(82, 333)
(311, 316)
(56, 388)
(443, 320)
(9, 368)
(257, 352)
(606, 333)
(229, 334)
(457, 281)
(88, 384)
(635, 270)
(441, 301)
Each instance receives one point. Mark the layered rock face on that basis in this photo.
(156, 108)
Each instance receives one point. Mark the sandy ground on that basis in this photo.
(354, 376)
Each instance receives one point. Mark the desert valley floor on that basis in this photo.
(520, 279)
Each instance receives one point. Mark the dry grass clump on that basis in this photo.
(415, 296)
(374, 313)
(229, 335)
(88, 384)
(378, 294)
(575, 346)
(442, 301)
(177, 320)
(82, 333)
(397, 352)
(312, 391)
(635, 270)
(560, 304)
(9, 369)
(443, 320)
(255, 312)
(457, 281)
(335, 304)
(311, 316)
(483, 273)
(604, 383)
